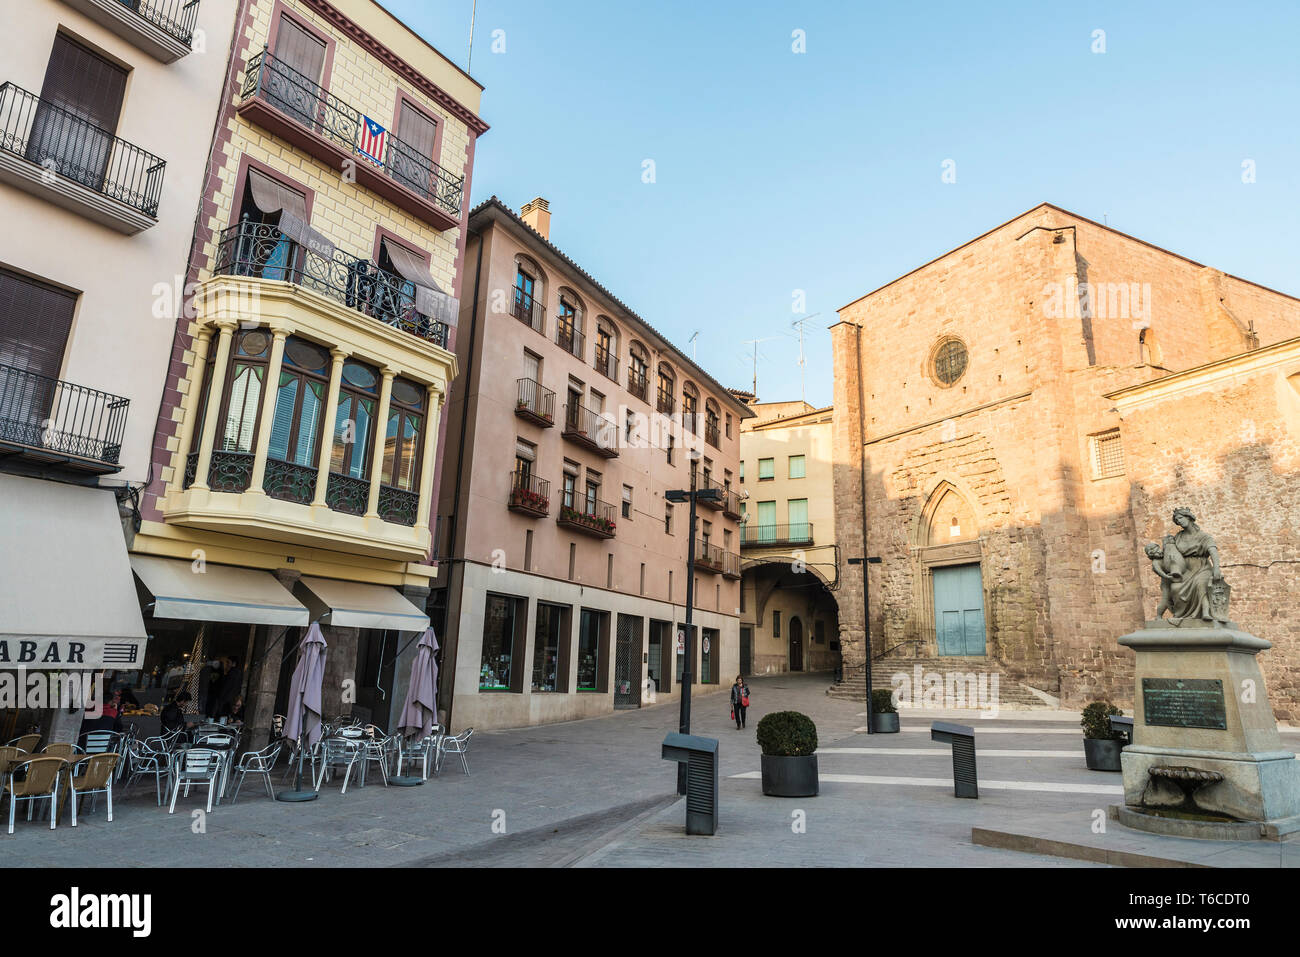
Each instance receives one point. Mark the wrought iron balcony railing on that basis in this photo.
(66, 145)
(529, 493)
(765, 536)
(708, 557)
(274, 82)
(262, 251)
(528, 311)
(730, 565)
(637, 383)
(567, 336)
(606, 363)
(592, 518)
(730, 503)
(590, 429)
(176, 18)
(535, 402)
(703, 482)
(49, 415)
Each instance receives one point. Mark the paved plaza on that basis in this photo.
(596, 793)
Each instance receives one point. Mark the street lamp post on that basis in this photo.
(866, 626)
(677, 496)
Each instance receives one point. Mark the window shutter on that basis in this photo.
(34, 323)
(297, 48)
(416, 130)
(84, 84)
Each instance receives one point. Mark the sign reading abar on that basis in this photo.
(1184, 703)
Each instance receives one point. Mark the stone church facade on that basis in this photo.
(1016, 418)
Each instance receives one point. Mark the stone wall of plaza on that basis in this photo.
(642, 565)
(1224, 441)
(999, 466)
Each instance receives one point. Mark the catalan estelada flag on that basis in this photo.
(373, 140)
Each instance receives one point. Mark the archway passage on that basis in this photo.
(789, 618)
(796, 644)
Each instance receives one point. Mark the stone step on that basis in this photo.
(1011, 693)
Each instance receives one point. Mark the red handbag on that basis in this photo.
(744, 701)
(733, 714)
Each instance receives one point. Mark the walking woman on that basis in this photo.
(739, 701)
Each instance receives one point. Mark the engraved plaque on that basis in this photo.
(1184, 703)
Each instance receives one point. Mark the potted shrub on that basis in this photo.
(884, 716)
(1101, 745)
(788, 740)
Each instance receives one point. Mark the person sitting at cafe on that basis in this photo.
(237, 710)
(172, 717)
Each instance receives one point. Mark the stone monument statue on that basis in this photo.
(1206, 759)
(1191, 584)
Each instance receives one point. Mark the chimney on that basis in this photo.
(537, 214)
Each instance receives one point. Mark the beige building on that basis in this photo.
(1017, 418)
(789, 561)
(106, 117)
(297, 452)
(567, 584)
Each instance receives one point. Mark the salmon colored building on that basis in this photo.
(298, 447)
(567, 586)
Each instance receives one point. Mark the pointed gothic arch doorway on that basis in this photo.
(952, 573)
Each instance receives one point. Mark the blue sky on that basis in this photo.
(821, 171)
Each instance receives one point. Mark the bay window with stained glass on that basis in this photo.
(354, 436)
(239, 413)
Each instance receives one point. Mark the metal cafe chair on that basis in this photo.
(458, 745)
(41, 779)
(310, 757)
(95, 778)
(100, 742)
(25, 742)
(148, 761)
(260, 763)
(376, 750)
(422, 750)
(61, 749)
(196, 766)
(338, 753)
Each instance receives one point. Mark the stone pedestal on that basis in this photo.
(1226, 727)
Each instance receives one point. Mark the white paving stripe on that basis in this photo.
(947, 783)
(982, 752)
(1078, 732)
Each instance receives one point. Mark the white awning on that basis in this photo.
(66, 594)
(216, 592)
(357, 605)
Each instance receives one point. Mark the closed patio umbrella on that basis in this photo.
(303, 721)
(420, 712)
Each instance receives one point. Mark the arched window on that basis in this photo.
(568, 324)
(527, 303)
(667, 389)
(690, 407)
(638, 371)
(712, 420)
(242, 395)
(607, 348)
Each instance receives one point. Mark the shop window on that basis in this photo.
(501, 667)
(550, 648)
(593, 650)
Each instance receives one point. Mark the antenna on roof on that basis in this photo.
(754, 343)
(691, 340)
(472, 15)
(798, 324)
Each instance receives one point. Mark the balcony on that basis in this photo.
(708, 557)
(606, 363)
(711, 433)
(594, 518)
(772, 536)
(280, 99)
(529, 494)
(702, 483)
(50, 421)
(568, 338)
(730, 565)
(164, 29)
(591, 430)
(731, 504)
(261, 251)
(664, 402)
(535, 403)
(638, 384)
(528, 311)
(66, 160)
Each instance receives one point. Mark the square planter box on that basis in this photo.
(790, 776)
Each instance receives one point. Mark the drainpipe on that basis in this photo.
(451, 631)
